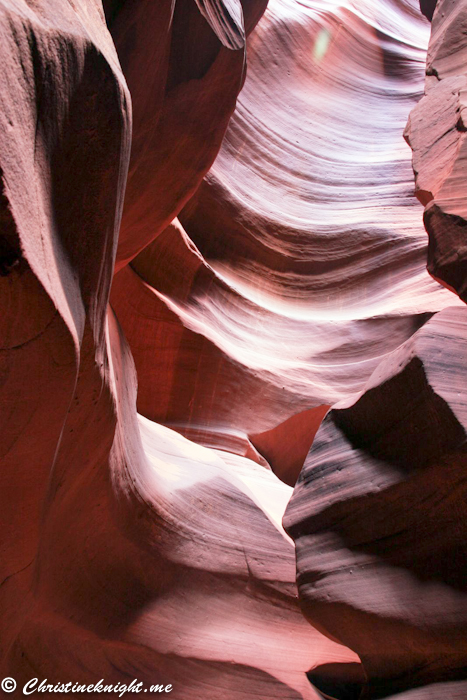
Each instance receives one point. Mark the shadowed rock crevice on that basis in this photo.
(402, 422)
(338, 681)
(436, 133)
(381, 553)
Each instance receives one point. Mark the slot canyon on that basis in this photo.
(233, 336)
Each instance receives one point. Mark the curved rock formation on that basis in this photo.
(378, 511)
(151, 547)
(219, 367)
(377, 516)
(114, 533)
(184, 87)
(58, 238)
(267, 301)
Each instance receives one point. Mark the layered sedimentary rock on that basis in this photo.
(184, 86)
(266, 302)
(294, 269)
(377, 516)
(437, 133)
(118, 558)
(59, 233)
(147, 579)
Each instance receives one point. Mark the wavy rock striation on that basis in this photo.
(378, 510)
(377, 516)
(253, 298)
(127, 551)
(300, 260)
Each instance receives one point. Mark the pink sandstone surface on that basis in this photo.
(233, 179)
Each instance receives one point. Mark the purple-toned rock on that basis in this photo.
(378, 516)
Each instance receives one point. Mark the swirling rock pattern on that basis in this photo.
(377, 516)
(294, 271)
(127, 551)
(266, 301)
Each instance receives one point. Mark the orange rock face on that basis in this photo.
(213, 289)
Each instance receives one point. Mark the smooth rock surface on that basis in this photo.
(377, 516)
(300, 260)
(127, 551)
(184, 88)
(293, 278)
(59, 233)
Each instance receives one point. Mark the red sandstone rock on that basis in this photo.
(128, 550)
(184, 87)
(300, 246)
(224, 370)
(141, 575)
(59, 232)
(377, 516)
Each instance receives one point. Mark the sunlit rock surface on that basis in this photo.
(287, 281)
(127, 551)
(300, 261)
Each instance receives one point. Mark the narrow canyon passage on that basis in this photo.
(218, 323)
